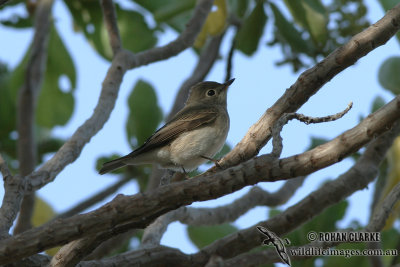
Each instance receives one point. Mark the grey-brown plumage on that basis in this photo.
(195, 133)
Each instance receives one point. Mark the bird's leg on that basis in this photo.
(213, 160)
(185, 173)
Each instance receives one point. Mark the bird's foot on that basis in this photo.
(216, 161)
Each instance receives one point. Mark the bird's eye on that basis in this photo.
(210, 92)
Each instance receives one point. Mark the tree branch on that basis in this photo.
(228, 213)
(35, 69)
(311, 81)
(159, 256)
(356, 178)
(141, 209)
(94, 199)
(110, 20)
(122, 61)
(185, 40)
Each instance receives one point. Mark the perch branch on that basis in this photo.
(311, 81)
(356, 178)
(141, 209)
(205, 62)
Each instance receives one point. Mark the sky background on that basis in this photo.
(259, 83)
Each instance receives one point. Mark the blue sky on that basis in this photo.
(259, 83)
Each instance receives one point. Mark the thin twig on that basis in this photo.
(230, 60)
(278, 126)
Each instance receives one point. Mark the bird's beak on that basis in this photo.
(227, 83)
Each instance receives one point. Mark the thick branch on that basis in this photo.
(356, 178)
(141, 209)
(311, 81)
(159, 256)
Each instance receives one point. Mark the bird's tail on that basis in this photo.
(112, 165)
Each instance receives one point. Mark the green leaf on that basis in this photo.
(317, 20)
(389, 4)
(202, 236)
(377, 103)
(135, 33)
(56, 104)
(389, 76)
(324, 222)
(289, 33)
(249, 34)
(240, 7)
(176, 13)
(145, 114)
(17, 21)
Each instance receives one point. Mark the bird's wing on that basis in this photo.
(183, 121)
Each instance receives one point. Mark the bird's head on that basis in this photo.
(209, 93)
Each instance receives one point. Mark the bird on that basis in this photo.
(193, 136)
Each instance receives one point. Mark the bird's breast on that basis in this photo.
(206, 141)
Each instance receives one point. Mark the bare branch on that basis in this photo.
(5, 171)
(308, 119)
(185, 40)
(122, 61)
(110, 20)
(356, 178)
(277, 129)
(35, 69)
(228, 213)
(228, 75)
(3, 2)
(159, 256)
(141, 209)
(94, 199)
(311, 81)
(381, 214)
(26, 107)
(111, 245)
